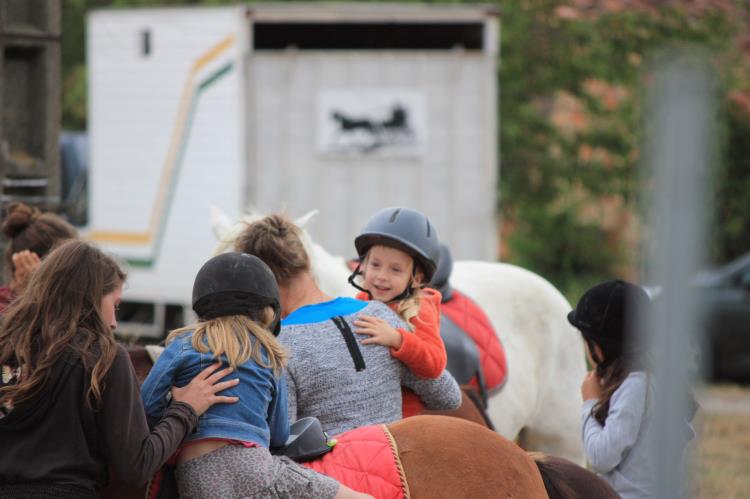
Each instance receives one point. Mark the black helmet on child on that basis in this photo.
(603, 311)
(405, 229)
(235, 284)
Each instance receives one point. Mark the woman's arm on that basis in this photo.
(134, 451)
(156, 386)
(291, 397)
(606, 445)
(441, 394)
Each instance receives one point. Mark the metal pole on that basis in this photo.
(679, 156)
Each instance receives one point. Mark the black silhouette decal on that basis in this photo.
(365, 134)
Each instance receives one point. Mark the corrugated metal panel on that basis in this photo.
(453, 181)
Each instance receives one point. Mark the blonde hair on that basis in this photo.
(409, 308)
(232, 336)
(277, 241)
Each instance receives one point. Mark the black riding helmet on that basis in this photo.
(235, 284)
(603, 314)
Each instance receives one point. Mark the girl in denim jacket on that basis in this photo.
(237, 301)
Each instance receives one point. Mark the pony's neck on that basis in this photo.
(330, 271)
(300, 291)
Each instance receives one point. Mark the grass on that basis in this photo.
(721, 459)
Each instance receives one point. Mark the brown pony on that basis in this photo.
(451, 457)
(445, 457)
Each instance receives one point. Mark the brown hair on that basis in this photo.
(612, 373)
(277, 241)
(27, 228)
(60, 313)
(232, 335)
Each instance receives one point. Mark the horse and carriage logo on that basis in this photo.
(371, 123)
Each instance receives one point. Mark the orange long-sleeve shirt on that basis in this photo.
(422, 350)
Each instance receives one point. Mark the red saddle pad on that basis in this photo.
(467, 315)
(365, 459)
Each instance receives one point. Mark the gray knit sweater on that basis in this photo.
(324, 383)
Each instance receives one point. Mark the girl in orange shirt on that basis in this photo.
(399, 250)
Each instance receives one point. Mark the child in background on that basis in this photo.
(236, 299)
(31, 234)
(399, 250)
(618, 417)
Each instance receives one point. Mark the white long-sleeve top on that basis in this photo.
(619, 451)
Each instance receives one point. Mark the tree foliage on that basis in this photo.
(570, 86)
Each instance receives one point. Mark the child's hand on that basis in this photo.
(591, 388)
(379, 332)
(25, 263)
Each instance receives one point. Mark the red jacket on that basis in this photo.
(422, 349)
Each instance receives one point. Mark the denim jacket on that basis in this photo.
(260, 415)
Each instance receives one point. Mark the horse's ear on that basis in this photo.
(304, 219)
(221, 224)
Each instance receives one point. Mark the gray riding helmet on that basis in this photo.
(235, 284)
(440, 280)
(405, 229)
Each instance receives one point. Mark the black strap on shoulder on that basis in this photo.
(351, 342)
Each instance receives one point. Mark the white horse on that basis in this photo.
(540, 403)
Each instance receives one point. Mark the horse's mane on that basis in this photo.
(564, 479)
(226, 231)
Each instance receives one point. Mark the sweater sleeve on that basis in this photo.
(606, 446)
(291, 399)
(422, 350)
(441, 394)
(134, 451)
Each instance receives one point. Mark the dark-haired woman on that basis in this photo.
(618, 416)
(31, 234)
(70, 406)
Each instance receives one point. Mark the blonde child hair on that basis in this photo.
(232, 336)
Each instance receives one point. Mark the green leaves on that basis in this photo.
(570, 84)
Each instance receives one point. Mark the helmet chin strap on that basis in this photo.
(404, 294)
(358, 272)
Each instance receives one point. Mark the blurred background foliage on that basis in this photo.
(571, 75)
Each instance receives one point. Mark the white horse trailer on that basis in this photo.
(343, 108)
